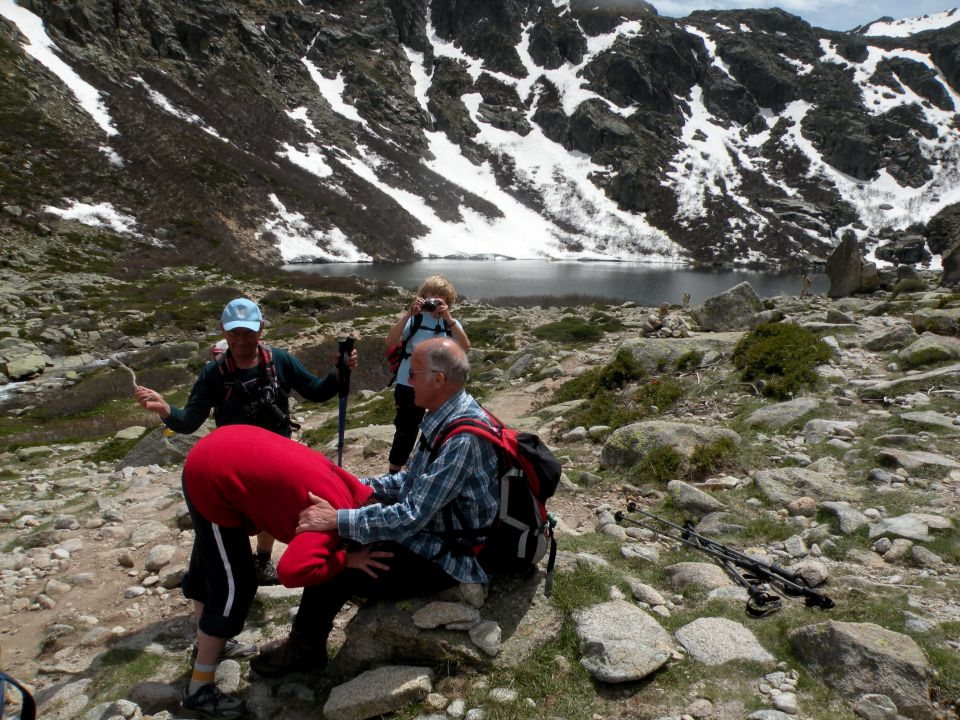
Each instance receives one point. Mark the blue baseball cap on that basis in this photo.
(241, 313)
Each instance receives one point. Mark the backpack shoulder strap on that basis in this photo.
(266, 362)
(414, 327)
(225, 364)
(473, 426)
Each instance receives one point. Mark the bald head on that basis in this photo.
(445, 356)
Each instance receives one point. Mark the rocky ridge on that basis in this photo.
(854, 485)
(237, 125)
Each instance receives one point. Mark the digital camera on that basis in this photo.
(429, 305)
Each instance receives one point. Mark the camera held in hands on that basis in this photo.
(429, 305)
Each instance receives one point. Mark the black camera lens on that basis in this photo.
(429, 305)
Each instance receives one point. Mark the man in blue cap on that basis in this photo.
(249, 384)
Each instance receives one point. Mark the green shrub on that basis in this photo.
(604, 408)
(490, 333)
(569, 330)
(660, 393)
(288, 301)
(690, 360)
(608, 323)
(623, 369)
(661, 465)
(782, 356)
(711, 458)
(578, 387)
(113, 449)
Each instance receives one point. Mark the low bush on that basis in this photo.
(690, 360)
(661, 465)
(712, 458)
(659, 393)
(614, 375)
(528, 301)
(604, 408)
(288, 301)
(569, 330)
(494, 333)
(782, 357)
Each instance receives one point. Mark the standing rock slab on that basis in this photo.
(854, 658)
(619, 642)
(843, 267)
(377, 692)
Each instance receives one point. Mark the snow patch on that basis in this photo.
(912, 26)
(300, 242)
(42, 48)
(99, 215)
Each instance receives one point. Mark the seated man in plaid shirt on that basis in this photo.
(406, 518)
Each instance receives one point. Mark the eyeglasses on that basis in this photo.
(420, 372)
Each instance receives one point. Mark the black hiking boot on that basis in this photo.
(282, 657)
(266, 571)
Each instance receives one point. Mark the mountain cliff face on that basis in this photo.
(386, 129)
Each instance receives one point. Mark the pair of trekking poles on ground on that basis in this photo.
(765, 583)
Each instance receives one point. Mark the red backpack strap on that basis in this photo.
(473, 426)
(266, 361)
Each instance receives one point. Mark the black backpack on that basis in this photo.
(523, 530)
(259, 396)
(396, 354)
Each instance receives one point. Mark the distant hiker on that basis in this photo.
(686, 299)
(407, 517)
(237, 480)
(428, 317)
(805, 282)
(248, 384)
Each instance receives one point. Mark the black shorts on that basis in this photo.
(222, 575)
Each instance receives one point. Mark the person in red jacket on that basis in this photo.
(237, 481)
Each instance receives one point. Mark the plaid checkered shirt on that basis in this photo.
(410, 501)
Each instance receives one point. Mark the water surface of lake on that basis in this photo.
(642, 283)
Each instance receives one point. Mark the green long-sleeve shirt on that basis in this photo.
(211, 392)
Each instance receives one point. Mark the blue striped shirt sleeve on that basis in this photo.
(420, 499)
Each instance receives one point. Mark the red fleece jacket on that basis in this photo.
(244, 476)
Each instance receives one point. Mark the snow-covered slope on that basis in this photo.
(375, 131)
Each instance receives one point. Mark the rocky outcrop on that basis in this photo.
(232, 102)
(853, 657)
(733, 309)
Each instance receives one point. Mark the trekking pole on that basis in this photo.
(344, 348)
(760, 602)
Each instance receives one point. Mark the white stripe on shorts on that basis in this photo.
(231, 583)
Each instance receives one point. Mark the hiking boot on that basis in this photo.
(209, 702)
(282, 657)
(266, 571)
(233, 649)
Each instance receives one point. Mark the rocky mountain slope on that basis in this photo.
(386, 129)
(853, 484)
